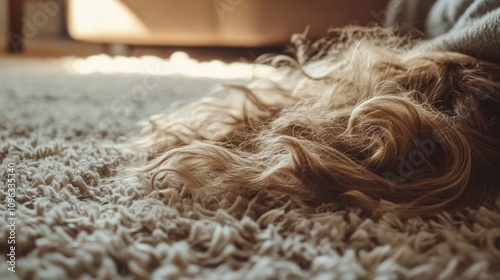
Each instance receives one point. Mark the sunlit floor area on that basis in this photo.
(126, 89)
(52, 48)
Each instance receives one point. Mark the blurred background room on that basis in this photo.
(231, 28)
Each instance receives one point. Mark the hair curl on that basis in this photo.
(359, 117)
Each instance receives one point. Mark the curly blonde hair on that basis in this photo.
(361, 117)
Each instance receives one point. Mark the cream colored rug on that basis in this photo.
(59, 122)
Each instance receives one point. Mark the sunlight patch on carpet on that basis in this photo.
(179, 63)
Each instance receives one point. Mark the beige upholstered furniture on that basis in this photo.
(211, 22)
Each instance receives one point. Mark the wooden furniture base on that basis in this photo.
(15, 39)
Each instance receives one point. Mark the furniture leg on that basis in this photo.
(15, 30)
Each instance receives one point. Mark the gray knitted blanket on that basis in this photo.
(467, 26)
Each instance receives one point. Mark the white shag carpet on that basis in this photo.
(58, 124)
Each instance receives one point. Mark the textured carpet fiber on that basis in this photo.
(59, 128)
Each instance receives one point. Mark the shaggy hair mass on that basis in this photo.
(361, 117)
